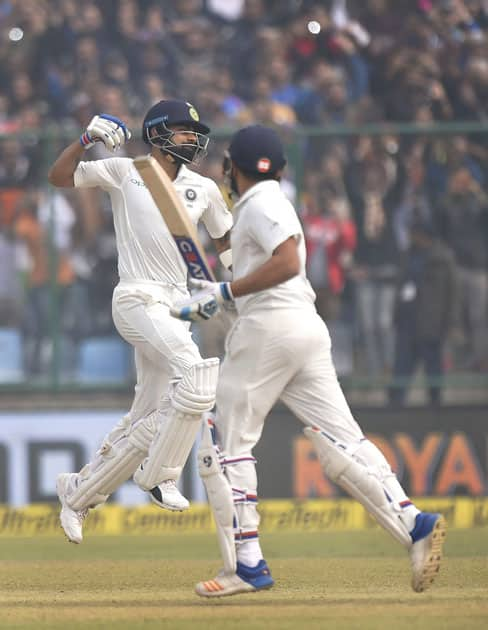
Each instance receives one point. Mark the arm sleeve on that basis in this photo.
(272, 226)
(106, 174)
(217, 217)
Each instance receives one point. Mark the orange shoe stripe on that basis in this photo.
(213, 586)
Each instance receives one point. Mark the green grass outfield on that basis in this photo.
(332, 581)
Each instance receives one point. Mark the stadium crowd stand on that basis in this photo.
(307, 68)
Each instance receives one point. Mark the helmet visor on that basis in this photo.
(191, 151)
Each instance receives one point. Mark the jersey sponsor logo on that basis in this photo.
(193, 260)
(263, 165)
(190, 194)
(137, 182)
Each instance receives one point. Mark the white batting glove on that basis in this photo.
(205, 303)
(107, 129)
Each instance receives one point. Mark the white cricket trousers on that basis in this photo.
(164, 347)
(164, 350)
(275, 355)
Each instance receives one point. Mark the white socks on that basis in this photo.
(249, 552)
(408, 514)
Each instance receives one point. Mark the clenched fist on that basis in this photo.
(107, 129)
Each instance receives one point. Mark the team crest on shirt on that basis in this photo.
(190, 194)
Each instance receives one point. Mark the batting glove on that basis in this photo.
(205, 303)
(107, 129)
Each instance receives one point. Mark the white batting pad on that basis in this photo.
(121, 453)
(219, 496)
(363, 482)
(193, 395)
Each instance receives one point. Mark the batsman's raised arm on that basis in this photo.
(61, 173)
(104, 128)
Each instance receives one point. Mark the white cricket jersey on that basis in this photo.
(263, 219)
(146, 249)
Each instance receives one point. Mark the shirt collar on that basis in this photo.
(182, 173)
(268, 185)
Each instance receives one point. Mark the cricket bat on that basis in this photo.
(175, 216)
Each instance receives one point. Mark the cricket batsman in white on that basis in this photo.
(175, 385)
(279, 349)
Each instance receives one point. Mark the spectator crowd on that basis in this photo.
(396, 224)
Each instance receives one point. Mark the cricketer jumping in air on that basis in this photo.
(175, 385)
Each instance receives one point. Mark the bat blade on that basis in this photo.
(175, 216)
(194, 257)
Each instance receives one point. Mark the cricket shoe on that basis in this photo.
(244, 580)
(167, 496)
(428, 536)
(71, 520)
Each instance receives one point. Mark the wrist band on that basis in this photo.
(226, 291)
(85, 140)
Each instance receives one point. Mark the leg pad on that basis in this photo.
(192, 396)
(360, 482)
(219, 495)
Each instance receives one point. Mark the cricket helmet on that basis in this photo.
(257, 150)
(156, 130)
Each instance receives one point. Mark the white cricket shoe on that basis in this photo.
(428, 536)
(167, 496)
(244, 580)
(71, 520)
